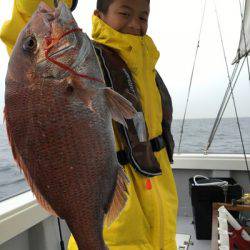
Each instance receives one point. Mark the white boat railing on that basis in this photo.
(20, 213)
(217, 162)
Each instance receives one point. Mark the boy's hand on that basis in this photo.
(22, 11)
(28, 7)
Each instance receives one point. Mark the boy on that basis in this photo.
(128, 59)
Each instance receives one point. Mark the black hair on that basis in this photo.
(74, 4)
(103, 5)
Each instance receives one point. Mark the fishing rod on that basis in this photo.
(230, 92)
(192, 74)
(56, 3)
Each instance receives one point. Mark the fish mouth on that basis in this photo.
(61, 16)
(70, 48)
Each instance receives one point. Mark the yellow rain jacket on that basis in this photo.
(148, 221)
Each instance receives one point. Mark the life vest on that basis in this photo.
(137, 149)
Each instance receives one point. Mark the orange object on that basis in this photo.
(148, 184)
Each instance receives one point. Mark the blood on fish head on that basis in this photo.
(50, 34)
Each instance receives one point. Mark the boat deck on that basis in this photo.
(185, 226)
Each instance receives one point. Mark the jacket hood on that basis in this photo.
(136, 51)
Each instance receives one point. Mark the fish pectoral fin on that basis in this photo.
(76, 85)
(119, 198)
(119, 106)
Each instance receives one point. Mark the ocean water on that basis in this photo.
(11, 178)
(194, 140)
(226, 140)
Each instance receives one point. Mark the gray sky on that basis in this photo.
(174, 26)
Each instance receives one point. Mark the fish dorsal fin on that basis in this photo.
(119, 106)
(119, 198)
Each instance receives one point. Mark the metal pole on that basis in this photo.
(56, 3)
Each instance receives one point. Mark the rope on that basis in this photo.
(223, 106)
(60, 234)
(222, 43)
(231, 94)
(221, 111)
(244, 35)
(225, 99)
(191, 78)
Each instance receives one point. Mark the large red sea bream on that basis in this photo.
(59, 121)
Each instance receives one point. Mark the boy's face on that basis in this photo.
(127, 16)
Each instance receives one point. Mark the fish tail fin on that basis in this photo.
(119, 106)
(119, 198)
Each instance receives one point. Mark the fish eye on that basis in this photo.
(30, 44)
